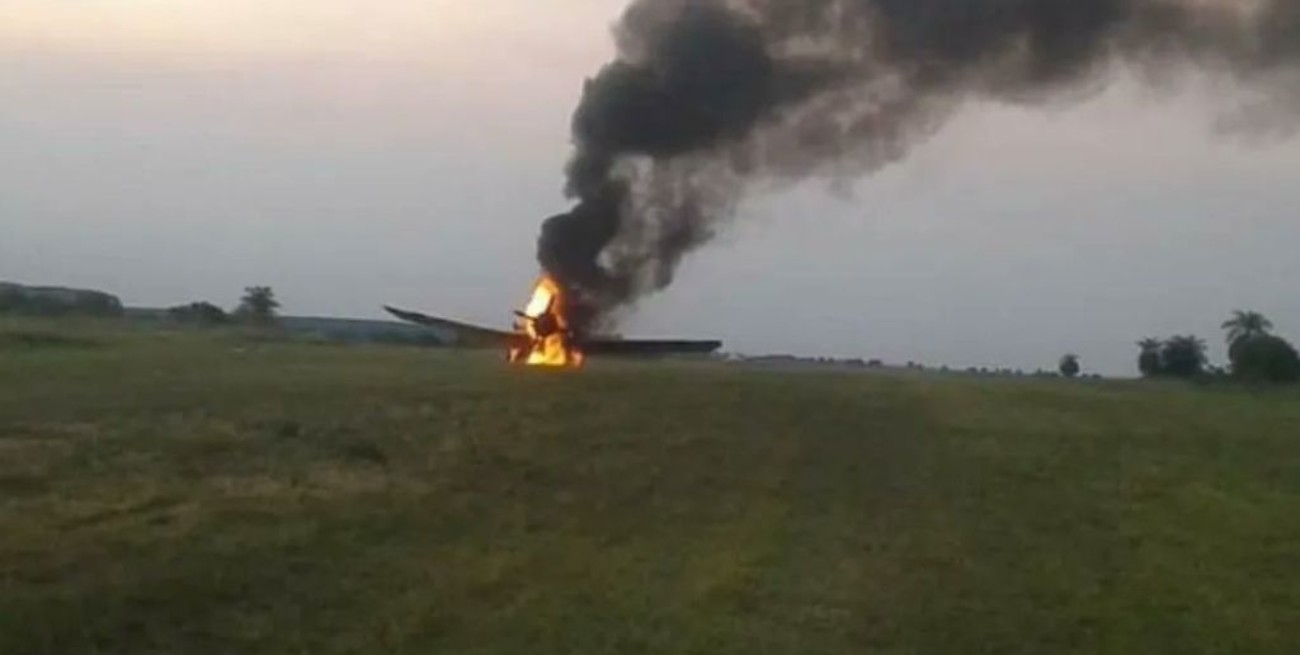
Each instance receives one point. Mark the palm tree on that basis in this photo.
(1246, 325)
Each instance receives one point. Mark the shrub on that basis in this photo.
(198, 313)
(1265, 358)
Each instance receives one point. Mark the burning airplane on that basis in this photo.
(545, 334)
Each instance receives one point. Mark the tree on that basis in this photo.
(1149, 360)
(258, 305)
(1245, 325)
(1255, 354)
(1183, 356)
(1069, 366)
(1265, 358)
(198, 313)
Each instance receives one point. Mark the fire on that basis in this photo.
(546, 328)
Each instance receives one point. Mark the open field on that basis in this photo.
(208, 493)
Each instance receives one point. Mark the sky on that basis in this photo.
(354, 154)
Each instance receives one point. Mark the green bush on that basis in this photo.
(1265, 358)
(198, 313)
(1183, 357)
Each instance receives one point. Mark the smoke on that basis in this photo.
(708, 96)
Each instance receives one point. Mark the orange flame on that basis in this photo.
(544, 323)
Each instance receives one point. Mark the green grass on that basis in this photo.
(204, 493)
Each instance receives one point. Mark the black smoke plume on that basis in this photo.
(706, 96)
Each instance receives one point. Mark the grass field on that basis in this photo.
(208, 493)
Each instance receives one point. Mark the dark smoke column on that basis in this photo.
(707, 95)
(690, 76)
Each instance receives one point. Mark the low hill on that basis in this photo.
(19, 299)
(342, 330)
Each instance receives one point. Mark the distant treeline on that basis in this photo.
(1255, 354)
(56, 301)
(258, 306)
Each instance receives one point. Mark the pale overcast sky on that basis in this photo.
(353, 154)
